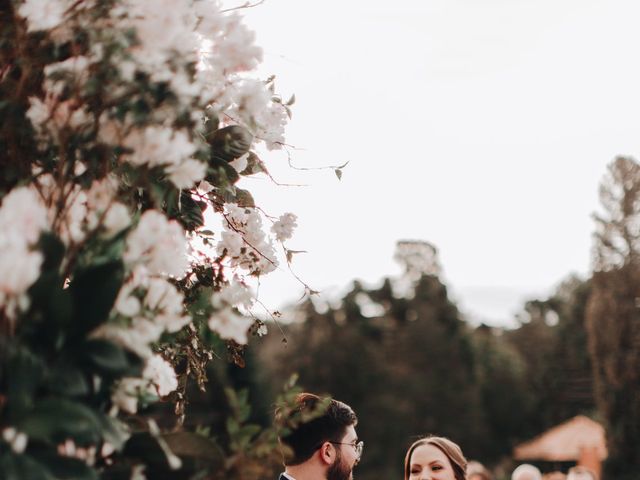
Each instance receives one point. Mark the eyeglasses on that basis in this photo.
(359, 446)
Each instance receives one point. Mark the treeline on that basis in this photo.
(411, 365)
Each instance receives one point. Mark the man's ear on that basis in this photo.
(327, 453)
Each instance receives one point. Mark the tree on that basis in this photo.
(552, 342)
(123, 122)
(613, 319)
(402, 355)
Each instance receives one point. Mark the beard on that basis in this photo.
(339, 470)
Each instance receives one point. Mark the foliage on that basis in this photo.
(552, 341)
(612, 317)
(125, 124)
(403, 357)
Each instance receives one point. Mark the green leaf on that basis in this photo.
(51, 310)
(230, 142)
(66, 379)
(188, 444)
(94, 290)
(55, 420)
(211, 123)
(21, 467)
(254, 165)
(244, 198)
(233, 427)
(291, 253)
(188, 212)
(53, 250)
(114, 431)
(110, 359)
(66, 468)
(26, 372)
(221, 174)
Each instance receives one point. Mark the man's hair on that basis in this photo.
(330, 425)
(452, 451)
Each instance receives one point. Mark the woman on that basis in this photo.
(434, 458)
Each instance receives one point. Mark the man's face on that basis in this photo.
(346, 457)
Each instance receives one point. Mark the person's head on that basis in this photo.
(477, 471)
(526, 472)
(580, 473)
(328, 443)
(434, 458)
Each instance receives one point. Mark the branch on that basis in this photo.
(327, 167)
(245, 5)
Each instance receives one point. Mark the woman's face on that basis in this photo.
(430, 463)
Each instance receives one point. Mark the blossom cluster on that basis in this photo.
(120, 134)
(22, 219)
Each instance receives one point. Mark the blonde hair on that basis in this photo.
(452, 451)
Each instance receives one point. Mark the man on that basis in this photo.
(326, 447)
(526, 472)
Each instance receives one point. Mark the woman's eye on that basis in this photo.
(437, 467)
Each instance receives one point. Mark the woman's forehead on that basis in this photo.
(428, 453)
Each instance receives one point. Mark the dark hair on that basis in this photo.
(330, 425)
(449, 448)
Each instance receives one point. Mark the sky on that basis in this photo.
(481, 126)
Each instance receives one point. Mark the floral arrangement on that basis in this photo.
(124, 124)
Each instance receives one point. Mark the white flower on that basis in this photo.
(161, 374)
(270, 125)
(159, 244)
(137, 472)
(22, 215)
(231, 45)
(283, 228)
(230, 326)
(165, 30)
(128, 306)
(127, 70)
(38, 113)
(237, 215)
(19, 269)
(234, 294)
(245, 242)
(165, 301)
(102, 193)
(251, 97)
(231, 242)
(262, 330)
(73, 226)
(116, 219)
(74, 67)
(126, 394)
(137, 338)
(43, 15)
(156, 146)
(17, 440)
(186, 173)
